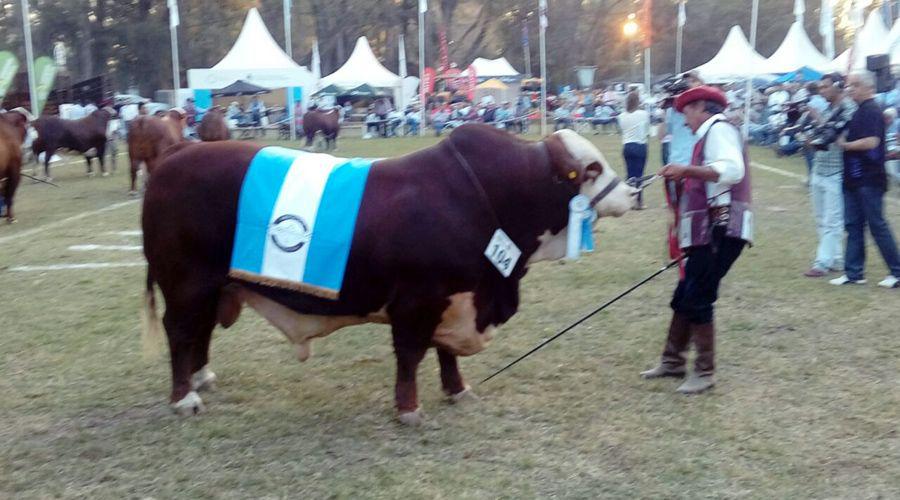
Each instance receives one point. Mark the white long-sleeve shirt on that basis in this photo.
(723, 151)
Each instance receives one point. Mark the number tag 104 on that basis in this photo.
(502, 253)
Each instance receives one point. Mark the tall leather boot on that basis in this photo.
(672, 360)
(701, 379)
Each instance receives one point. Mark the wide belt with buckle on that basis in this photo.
(719, 216)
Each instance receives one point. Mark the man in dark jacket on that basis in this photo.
(865, 183)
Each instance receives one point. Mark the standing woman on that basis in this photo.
(635, 125)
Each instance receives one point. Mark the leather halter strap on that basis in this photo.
(603, 194)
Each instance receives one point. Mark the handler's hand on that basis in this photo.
(841, 142)
(673, 172)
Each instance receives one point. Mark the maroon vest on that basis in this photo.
(693, 210)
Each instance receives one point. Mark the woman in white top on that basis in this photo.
(635, 126)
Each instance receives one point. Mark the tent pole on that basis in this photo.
(176, 81)
(423, 6)
(29, 55)
(748, 92)
(542, 8)
(289, 49)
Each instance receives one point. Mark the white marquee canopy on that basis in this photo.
(736, 60)
(492, 68)
(795, 52)
(363, 67)
(255, 58)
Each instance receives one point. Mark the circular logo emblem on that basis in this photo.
(289, 233)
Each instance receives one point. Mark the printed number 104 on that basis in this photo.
(500, 256)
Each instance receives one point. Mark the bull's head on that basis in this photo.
(576, 160)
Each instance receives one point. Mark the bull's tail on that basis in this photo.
(151, 326)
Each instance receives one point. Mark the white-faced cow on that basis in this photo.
(417, 260)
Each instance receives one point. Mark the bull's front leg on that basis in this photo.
(451, 380)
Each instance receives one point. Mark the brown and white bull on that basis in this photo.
(417, 260)
(87, 136)
(213, 126)
(149, 137)
(326, 122)
(13, 126)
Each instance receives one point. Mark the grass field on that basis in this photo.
(807, 403)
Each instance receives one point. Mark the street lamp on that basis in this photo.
(630, 29)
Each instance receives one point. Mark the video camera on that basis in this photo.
(675, 86)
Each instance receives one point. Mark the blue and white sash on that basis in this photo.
(296, 217)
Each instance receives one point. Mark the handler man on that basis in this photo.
(713, 222)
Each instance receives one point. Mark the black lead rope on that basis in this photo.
(23, 174)
(587, 316)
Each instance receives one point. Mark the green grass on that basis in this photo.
(807, 406)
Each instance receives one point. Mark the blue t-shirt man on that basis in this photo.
(681, 147)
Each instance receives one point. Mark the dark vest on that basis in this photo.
(693, 217)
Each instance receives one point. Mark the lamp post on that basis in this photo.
(630, 29)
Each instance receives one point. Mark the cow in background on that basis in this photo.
(213, 126)
(149, 138)
(86, 135)
(326, 122)
(13, 127)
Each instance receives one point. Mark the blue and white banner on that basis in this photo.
(296, 217)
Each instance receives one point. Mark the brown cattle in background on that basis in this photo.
(149, 137)
(13, 127)
(213, 126)
(85, 136)
(322, 121)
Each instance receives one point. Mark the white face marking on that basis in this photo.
(621, 199)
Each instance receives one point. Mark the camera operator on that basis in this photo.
(827, 175)
(677, 138)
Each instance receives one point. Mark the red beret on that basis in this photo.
(701, 93)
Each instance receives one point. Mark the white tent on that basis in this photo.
(736, 60)
(363, 67)
(795, 52)
(893, 37)
(840, 62)
(873, 38)
(492, 68)
(255, 58)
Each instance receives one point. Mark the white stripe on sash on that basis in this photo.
(300, 195)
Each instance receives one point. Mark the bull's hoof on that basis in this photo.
(465, 396)
(105, 174)
(303, 351)
(189, 405)
(412, 418)
(11, 221)
(132, 194)
(204, 380)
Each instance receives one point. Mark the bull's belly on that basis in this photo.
(301, 328)
(457, 331)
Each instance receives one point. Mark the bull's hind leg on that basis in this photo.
(451, 379)
(189, 321)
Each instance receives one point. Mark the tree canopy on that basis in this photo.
(129, 39)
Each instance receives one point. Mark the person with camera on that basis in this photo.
(827, 175)
(714, 221)
(680, 138)
(865, 183)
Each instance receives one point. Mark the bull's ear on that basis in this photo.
(593, 170)
(564, 165)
